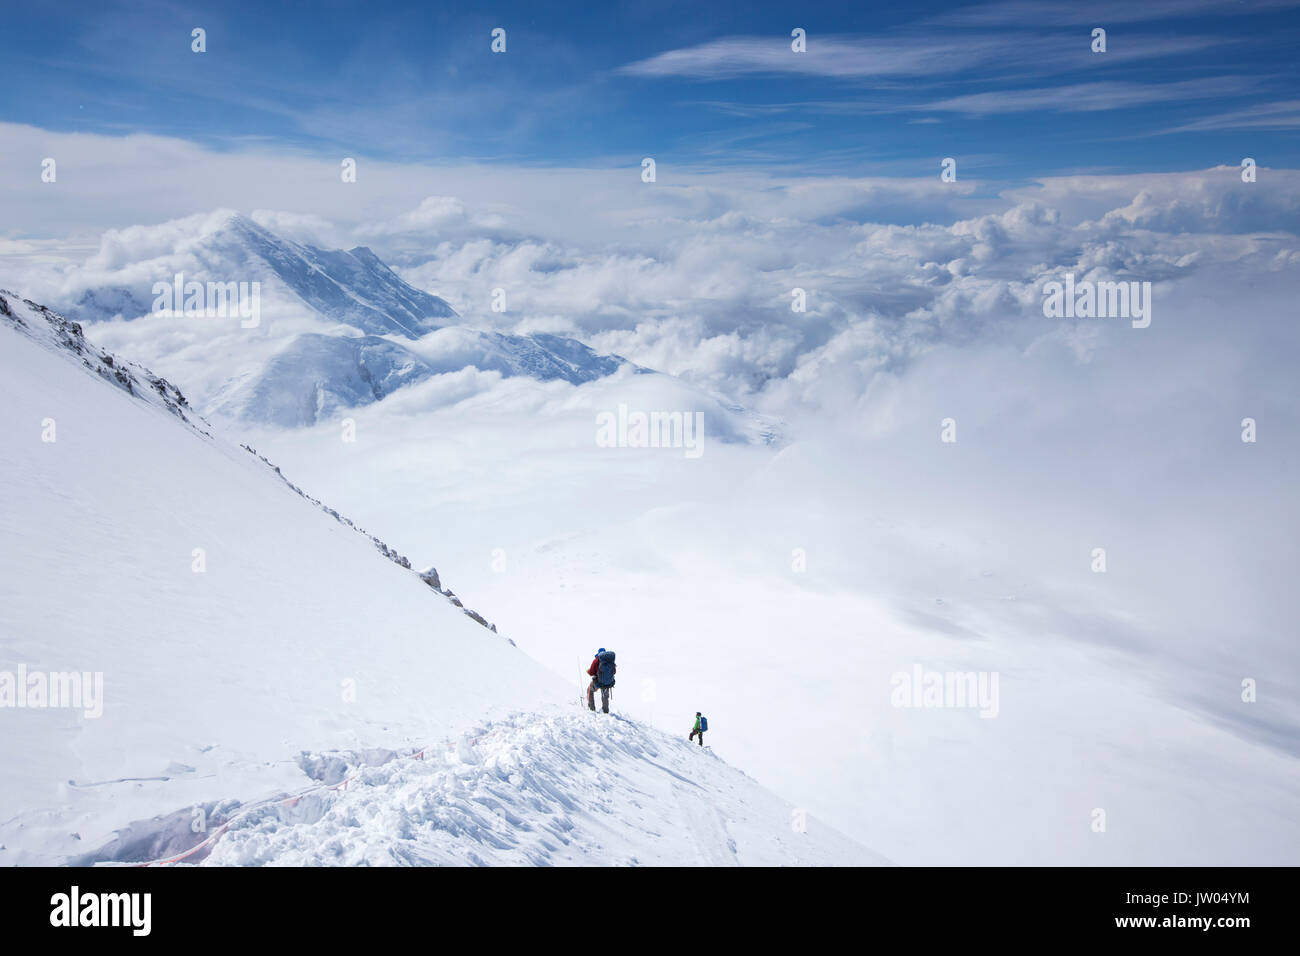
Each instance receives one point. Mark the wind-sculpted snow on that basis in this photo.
(539, 791)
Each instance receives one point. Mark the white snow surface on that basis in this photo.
(571, 789)
(298, 652)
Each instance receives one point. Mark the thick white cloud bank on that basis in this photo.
(781, 588)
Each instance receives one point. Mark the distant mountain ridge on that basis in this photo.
(353, 287)
(311, 376)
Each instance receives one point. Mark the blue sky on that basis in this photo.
(1009, 88)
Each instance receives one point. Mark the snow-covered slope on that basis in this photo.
(315, 376)
(246, 644)
(54, 331)
(544, 357)
(526, 790)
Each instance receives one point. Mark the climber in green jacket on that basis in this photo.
(701, 725)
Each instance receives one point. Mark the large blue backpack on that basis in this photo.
(605, 672)
(704, 724)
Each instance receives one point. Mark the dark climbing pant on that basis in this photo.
(694, 734)
(604, 697)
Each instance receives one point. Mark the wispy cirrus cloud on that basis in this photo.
(827, 56)
(1089, 97)
(1021, 12)
(1070, 98)
(902, 55)
(1282, 114)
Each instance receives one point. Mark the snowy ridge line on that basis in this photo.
(62, 334)
(429, 576)
(289, 801)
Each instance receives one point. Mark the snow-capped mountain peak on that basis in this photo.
(352, 287)
(330, 331)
